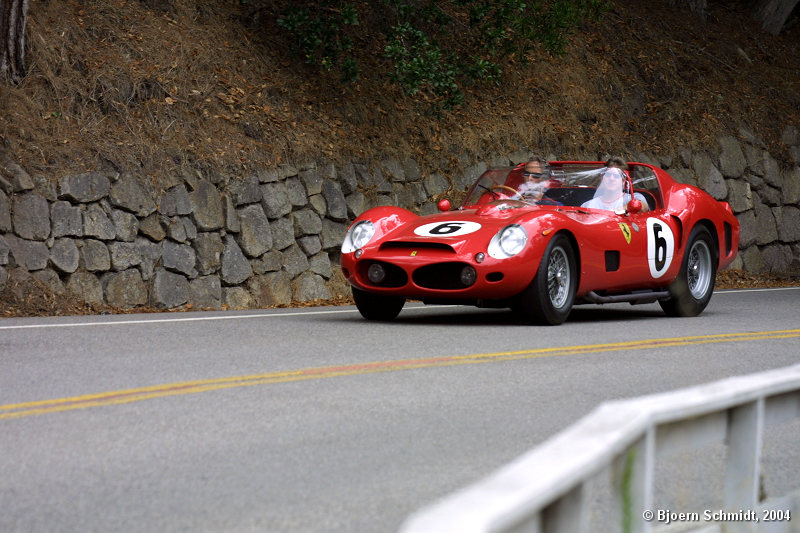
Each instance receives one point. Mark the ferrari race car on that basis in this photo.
(661, 241)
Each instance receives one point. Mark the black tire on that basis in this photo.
(377, 306)
(548, 299)
(692, 289)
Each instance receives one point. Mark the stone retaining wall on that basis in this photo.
(273, 238)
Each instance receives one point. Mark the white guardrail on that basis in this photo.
(545, 490)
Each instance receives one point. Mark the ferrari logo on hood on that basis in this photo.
(626, 231)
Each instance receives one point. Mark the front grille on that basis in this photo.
(441, 276)
(395, 276)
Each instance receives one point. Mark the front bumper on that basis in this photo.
(422, 273)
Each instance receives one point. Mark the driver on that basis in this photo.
(536, 176)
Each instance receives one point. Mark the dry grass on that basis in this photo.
(186, 86)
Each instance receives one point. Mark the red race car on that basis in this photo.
(587, 234)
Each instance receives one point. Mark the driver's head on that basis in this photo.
(614, 176)
(612, 181)
(536, 170)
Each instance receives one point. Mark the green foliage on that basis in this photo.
(512, 27)
(420, 63)
(626, 489)
(435, 48)
(318, 35)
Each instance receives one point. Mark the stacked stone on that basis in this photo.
(273, 238)
(261, 241)
(104, 238)
(763, 193)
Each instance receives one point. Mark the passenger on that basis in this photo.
(536, 181)
(609, 193)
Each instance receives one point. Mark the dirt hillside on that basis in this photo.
(156, 86)
(165, 87)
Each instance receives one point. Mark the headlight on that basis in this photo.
(358, 236)
(508, 242)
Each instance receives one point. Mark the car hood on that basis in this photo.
(461, 228)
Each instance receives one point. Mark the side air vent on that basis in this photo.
(728, 239)
(612, 260)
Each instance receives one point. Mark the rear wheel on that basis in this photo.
(691, 291)
(377, 306)
(549, 298)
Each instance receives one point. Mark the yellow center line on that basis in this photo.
(21, 410)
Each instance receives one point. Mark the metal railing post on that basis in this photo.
(743, 462)
(632, 485)
(567, 514)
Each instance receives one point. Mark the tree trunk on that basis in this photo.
(772, 14)
(13, 14)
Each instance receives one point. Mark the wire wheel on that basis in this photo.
(549, 297)
(692, 289)
(558, 277)
(699, 269)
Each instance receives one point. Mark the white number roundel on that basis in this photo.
(450, 228)
(660, 247)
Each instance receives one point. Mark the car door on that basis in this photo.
(626, 252)
(648, 257)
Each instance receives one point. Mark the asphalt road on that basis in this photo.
(315, 420)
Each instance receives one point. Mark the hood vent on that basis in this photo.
(417, 245)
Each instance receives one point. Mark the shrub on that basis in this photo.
(432, 53)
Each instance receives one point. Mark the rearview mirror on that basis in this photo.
(634, 206)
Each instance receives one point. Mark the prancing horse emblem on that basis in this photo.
(626, 231)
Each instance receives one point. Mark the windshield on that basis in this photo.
(569, 184)
(494, 185)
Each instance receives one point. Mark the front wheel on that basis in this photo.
(549, 298)
(377, 306)
(691, 291)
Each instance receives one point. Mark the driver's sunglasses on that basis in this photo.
(533, 175)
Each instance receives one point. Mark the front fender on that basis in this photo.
(385, 218)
